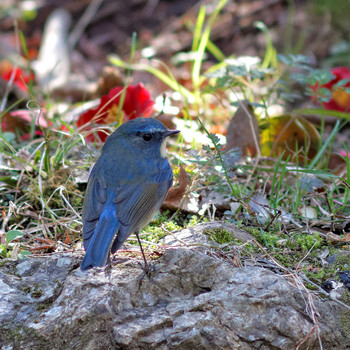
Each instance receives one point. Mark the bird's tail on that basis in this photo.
(102, 239)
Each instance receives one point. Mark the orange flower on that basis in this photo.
(137, 103)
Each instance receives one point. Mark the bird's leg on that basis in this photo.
(108, 268)
(147, 270)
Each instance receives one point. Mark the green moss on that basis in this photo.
(26, 289)
(268, 239)
(304, 241)
(296, 242)
(21, 335)
(310, 286)
(171, 226)
(46, 304)
(43, 306)
(15, 334)
(320, 273)
(194, 220)
(36, 293)
(342, 260)
(344, 319)
(3, 251)
(318, 276)
(307, 241)
(287, 260)
(2, 262)
(154, 230)
(220, 236)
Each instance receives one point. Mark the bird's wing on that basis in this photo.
(138, 203)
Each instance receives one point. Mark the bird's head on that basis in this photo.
(143, 134)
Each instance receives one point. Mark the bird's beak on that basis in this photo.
(171, 132)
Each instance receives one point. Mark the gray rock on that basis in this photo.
(190, 301)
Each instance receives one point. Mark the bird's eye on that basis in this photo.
(147, 137)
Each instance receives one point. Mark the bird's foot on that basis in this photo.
(147, 269)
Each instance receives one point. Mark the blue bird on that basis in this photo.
(126, 188)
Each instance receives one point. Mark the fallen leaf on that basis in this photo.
(67, 239)
(243, 130)
(337, 164)
(308, 212)
(21, 120)
(335, 238)
(110, 77)
(3, 237)
(294, 136)
(167, 120)
(176, 194)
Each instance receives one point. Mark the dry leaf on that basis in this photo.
(110, 78)
(335, 238)
(243, 131)
(175, 194)
(308, 212)
(337, 164)
(67, 239)
(291, 135)
(3, 237)
(167, 120)
(20, 121)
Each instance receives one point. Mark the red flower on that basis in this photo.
(137, 103)
(340, 100)
(21, 79)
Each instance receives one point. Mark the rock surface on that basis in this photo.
(190, 301)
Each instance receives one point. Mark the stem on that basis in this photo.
(233, 190)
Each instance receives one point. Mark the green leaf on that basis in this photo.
(9, 180)
(3, 250)
(295, 60)
(237, 70)
(24, 254)
(11, 235)
(300, 78)
(320, 76)
(37, 156)
(9, 136)
(23, 42)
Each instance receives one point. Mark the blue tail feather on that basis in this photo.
(100, 244)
